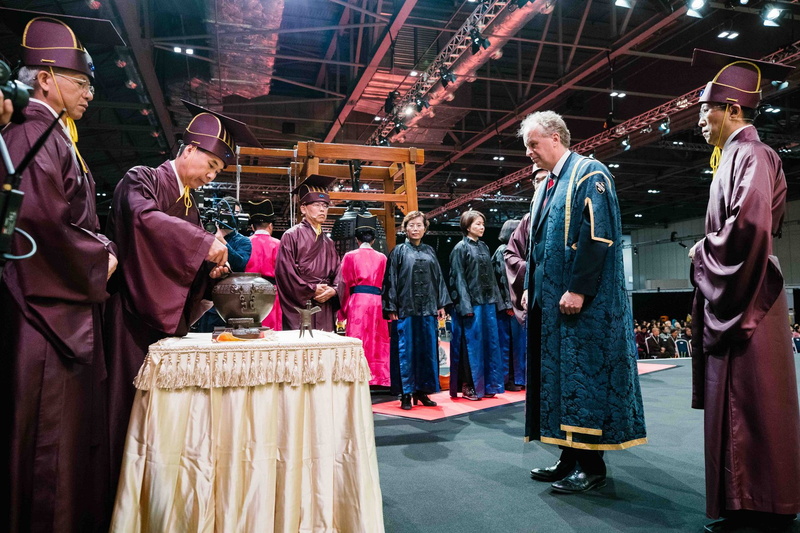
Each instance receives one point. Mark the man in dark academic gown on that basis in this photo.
(307, 263)
(55, 462)
(167, 260)
(583, 386)
(744, 371)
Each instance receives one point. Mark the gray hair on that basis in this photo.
(30, 75)
(27, 75)
(549, 121)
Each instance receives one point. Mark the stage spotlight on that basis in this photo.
(627, 4)
(446, 76)
(728, 34)
(618, 94)
(779, 85)
(477, 41)
(383, 141)
(695, 8)
(664, 127)
(421, 103)
(770, 15)
(399, 126)
(626, 144)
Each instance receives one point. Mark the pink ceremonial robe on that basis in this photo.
(365, 267)
(262, 260)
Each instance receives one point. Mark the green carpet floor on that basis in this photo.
(471, 473)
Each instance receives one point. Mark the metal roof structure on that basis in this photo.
(322, 70)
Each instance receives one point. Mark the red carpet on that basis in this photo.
(457, 406)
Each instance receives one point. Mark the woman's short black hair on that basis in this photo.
(468, 217)
(508, 228)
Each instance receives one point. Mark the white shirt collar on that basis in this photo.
(261, 232)
(175, 170)
(365, 245)
(560, 164)
(733, 135)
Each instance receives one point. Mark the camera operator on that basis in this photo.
(239, 246)
(224, 221)
(50, 335)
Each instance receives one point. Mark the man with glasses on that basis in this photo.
(50, 336)
(307, 262)
(744, 371)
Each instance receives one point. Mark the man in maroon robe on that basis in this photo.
(307, 262)
(516, 255)
(55, 462)
(167, 261)
(744, 371)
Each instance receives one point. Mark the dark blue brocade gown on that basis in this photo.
(414, 289)
(474, 292)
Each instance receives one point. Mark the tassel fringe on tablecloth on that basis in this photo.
(169, 367)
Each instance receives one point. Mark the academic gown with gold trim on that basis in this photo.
(588, 395)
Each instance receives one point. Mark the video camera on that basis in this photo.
(10, 195)
(223, 213)
(17, 92)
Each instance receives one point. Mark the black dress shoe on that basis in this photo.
(579, 481)
(513, 387)
(405, 402)
(558, 471)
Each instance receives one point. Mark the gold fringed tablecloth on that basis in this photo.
(251, 436)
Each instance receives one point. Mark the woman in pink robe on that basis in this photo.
(262, 260)
(359, 288)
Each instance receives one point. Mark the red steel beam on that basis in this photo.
(540, 100)
(366, 77)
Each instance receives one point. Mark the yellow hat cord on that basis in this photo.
(716, 154)
(186, 196)
(72, 128)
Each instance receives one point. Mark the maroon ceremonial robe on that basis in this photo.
(262, 260)
(516, 258)
(744, 371)
(306, 259)
(55, 467)
(160, 283)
